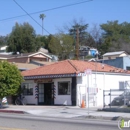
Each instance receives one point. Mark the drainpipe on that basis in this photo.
(96, 73)
(104, 81)
(95, 102)
(76, 92)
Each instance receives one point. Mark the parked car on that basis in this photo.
(123, 99)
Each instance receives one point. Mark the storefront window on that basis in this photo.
(27, 89)
(63, 88)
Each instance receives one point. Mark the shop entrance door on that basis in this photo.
(45, 94)
(48, 94)
(41, 94)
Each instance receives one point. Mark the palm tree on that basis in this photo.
(42, 16)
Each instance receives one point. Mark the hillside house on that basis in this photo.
(113, 55)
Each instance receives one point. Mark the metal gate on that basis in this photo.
(116, 97)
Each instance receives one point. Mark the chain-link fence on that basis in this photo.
(116, 97)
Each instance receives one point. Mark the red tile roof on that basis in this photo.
(72, 67)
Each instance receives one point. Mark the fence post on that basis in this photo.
(103, 98)
(124, 97)
(110, 98)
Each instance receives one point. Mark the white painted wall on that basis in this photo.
(81, 87)
(61, 99)
(104, 81)
(31, 98)
(83, 83)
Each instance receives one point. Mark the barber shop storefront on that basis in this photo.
(56, 91)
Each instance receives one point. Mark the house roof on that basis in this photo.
(72, 67)
(14, 56)
(3, 56)
(25, 66)
(40, 53)
(114, 53)
(42, 62)
(22, 55)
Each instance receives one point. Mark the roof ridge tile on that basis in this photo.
(70, 61)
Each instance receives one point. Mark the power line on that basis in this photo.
(30, 16)
(64, 6)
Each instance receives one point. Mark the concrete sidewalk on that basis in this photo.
(65, 112)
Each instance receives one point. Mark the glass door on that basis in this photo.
(41, 94)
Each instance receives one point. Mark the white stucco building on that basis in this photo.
(68, 82)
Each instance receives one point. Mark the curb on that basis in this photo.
(122, 110)
(12, 111)
(115, 118)
(103, 117)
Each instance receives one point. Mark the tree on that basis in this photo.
(54, 45)
(3, 40)
(40, 41)
(10, 79)
(116, 36)
(42, 16)
(61, 45)
(72, 28)
(95, 35)
(78, 30)
(82, 28)
(66, 43)
(22, 39)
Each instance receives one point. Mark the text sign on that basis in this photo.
(43, 80)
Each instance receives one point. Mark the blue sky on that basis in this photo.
(94, 12)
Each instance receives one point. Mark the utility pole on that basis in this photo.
(77, 44)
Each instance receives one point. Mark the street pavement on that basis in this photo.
(64, 112)
(32, 122)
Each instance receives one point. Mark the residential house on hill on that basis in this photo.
(28, 60)
(43, 50)
(87, 51)
(117, 59)
(68, 82)
(29, 57)
(26, 57)
(113, 55)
